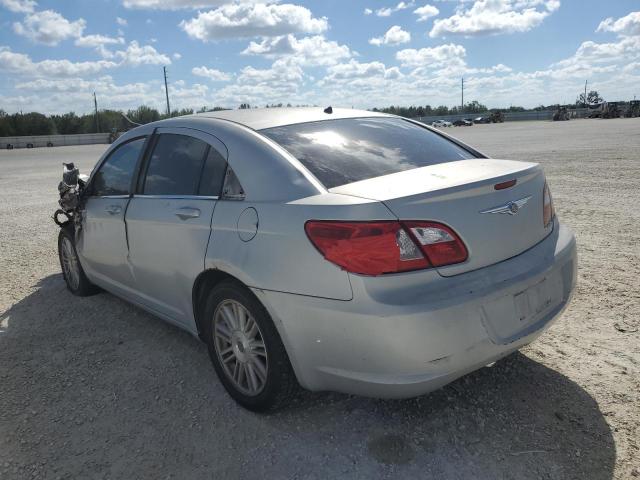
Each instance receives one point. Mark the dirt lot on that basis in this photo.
(95, 388)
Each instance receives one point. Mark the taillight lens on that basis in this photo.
(438, 242)
(548, 211)
(375, 248)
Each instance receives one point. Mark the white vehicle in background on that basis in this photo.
(441, 123)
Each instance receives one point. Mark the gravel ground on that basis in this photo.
(95, 388)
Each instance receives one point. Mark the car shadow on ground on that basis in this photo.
(95, 388)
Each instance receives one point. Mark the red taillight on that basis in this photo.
(548, 211)
(374, 248)
(438, 242)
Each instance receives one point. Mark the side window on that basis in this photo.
(232, 189)
(175, 166)
(212, 174)
(115, 174)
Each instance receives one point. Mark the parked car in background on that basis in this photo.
(334, 249)
(463, 123)
(482, 120)
(441, 123)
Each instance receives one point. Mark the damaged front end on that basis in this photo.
(70, 189)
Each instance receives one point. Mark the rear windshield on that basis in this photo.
(348, 150)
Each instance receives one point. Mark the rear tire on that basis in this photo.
(72, 272)
(246, 350)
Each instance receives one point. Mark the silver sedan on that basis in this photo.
(331, 249)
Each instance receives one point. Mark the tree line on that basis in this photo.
(33, 123)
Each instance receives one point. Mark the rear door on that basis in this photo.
(102, 243)
(169, 218)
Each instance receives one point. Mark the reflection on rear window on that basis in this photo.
(344, 151)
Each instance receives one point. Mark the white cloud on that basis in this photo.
(590, 55)
(93, 41)
(347, 72)
(48, 27)
(62, 95)
(121, 21)
(245, 20)
(426, 12)
(432, 57)
(21, 64)
(135, 55)
(307, 51)
(58, 85)
(394, 36)
(177, 56)
(388, 11)
(629, 25)
(211, 74)
(19, 6)
(416, 76)
(281, 82)
(99, 42)
(283, 73)
(177, 4)
(492, 17)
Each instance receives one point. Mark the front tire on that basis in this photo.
(246, 350)
(72, 272)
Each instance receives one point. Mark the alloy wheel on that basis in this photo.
(240, 347)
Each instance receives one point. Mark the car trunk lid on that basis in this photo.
(495, 218)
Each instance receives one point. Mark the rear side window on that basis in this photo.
(116, 172)
(212, 174)
(175, 166)
(344, 151)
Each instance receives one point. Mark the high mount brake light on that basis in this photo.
(376, 248)
(548, 212)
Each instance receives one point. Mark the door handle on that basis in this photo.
(185, 213)
(113, 209)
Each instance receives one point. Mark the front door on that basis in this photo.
(169, 218)
(102, 242)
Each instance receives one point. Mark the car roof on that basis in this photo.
(261, 118)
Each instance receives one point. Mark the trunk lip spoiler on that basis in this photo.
(526, 172)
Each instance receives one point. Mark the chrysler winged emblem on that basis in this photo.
(510, 208)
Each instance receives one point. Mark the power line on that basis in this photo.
(166, 91)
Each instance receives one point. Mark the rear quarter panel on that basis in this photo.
(280, 257)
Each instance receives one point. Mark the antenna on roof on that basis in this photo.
(328, 110)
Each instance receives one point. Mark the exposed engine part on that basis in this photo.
(65, 221)
(70, 190)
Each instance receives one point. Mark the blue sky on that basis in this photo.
(55, 54)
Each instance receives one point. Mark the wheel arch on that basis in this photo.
(207, 280)
(203, 284)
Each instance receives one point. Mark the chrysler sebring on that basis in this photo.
(338, 250)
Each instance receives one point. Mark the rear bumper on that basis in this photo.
(405, 335)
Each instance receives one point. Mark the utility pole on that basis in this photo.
(166, 91)
(585, 93)
(462, 100)
(95, 104)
